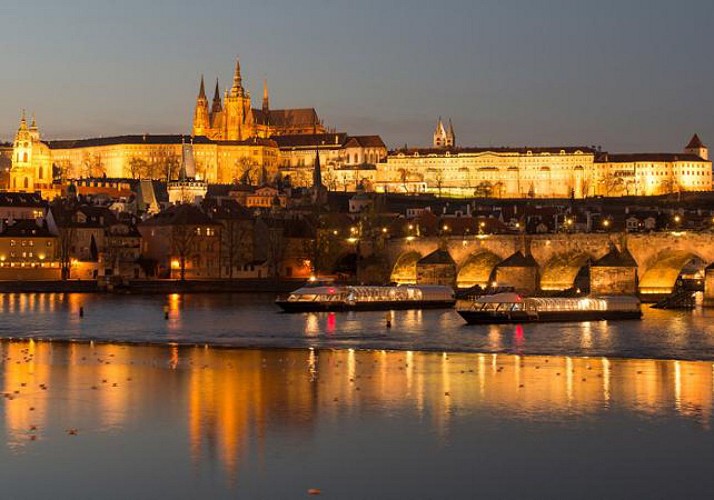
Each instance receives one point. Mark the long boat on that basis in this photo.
(512, 308)
(327, 297)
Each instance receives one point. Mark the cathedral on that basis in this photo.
(235, 119)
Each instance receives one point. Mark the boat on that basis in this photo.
(318, 296)
(512, 308)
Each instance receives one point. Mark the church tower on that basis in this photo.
(239, 124)
(31, 168)
(201, 122)
(697, 147)
(444, 139)
(450, 136)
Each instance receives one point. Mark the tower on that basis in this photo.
(266, 97)
(238, 124)
(201, 122)
(216, 107)
(696, 147)
(31, 168)
(444, 138)
(440, 135)
(450, 136)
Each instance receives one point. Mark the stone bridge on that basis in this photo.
(660, 257)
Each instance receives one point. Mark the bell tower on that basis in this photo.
(31, 168)
(697, 147)
(239, 124)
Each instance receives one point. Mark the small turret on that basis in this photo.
(266, 97)
(697, 147)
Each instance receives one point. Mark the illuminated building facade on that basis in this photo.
(543, 172)
(234, 118)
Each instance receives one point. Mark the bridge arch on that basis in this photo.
(477, 269)
(560, 271)
(662, 271)
(404, 271)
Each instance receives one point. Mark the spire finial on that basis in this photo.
(202, 90)
(237, 79)
(266, 96)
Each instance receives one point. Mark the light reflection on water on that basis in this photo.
(273, 423)
(254, 321)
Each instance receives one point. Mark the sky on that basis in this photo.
(628, 75)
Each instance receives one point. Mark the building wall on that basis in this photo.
(652, 178)
(215, 163)
(508, 174)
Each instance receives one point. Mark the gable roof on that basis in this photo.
(287, 118)
(615, 258)
(439, 256)
(519, 260)
(695, 143)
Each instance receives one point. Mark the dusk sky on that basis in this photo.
(630, 75)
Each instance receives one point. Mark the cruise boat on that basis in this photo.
(319, 296)
(512, 308)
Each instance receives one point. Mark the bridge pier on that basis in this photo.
(518, 271)
(614, 274)
(709, 286)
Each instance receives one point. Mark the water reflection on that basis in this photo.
(235, 396)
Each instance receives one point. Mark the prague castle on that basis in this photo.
(234, 119)
(234, 142)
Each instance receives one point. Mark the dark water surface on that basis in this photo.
(377, 418)
(115, 421)
(254, 321)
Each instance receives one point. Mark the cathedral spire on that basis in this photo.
(217, 107)
(201, 121)
(266, 96)
(237, 80)
(23, 121)
(202, 90)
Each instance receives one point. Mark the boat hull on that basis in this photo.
(309, 306)
(490, 317)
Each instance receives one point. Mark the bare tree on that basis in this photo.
(276, 245)
(183, 239)
(234, 242)
(67, 238)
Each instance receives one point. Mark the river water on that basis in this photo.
(242, 320)
(376, 418)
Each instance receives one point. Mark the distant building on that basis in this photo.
(554, 172)
(187, 187)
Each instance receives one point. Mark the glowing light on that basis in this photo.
(384, 229)
(175, 264)
(313, 278)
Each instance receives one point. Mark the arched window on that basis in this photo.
(24, 157)
(40, 173)
(27, 183)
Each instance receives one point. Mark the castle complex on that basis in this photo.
(231, 141)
